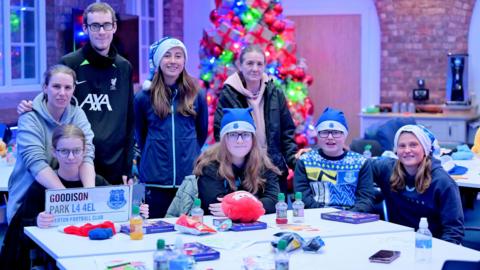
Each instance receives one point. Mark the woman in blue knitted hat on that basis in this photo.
(415, 185)
(251, 87)
(236, 163)
(171, 124)
(332, 176)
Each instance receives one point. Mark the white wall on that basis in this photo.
(195, 18)
(474, 54)
(370, 36)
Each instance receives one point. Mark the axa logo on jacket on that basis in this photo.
(96, 102)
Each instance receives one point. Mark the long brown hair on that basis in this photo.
(423, 177)
(257, 162)
(161, 94)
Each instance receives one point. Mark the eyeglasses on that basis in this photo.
(95, 27)
(246, 136)
(325, 133)
(65, 153)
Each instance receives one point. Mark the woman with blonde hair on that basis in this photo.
(415, 185)
(236, 163)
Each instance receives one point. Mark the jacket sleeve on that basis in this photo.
(129, 140)
(201, 121)
(31, 143)
(364, 194)
(301, 184)
(210, 187)
(140, 119)
(217, 118)
(451, 214)
(381, 171)
(270, 193)
(289, 147)
(81, 121)
(183, 201)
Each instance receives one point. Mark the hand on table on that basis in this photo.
(144, 210)
(45, 220)
(216, 208)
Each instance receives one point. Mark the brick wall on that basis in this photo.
(173, 18)
(416, 36)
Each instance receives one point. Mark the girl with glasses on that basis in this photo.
(68, 146)
(53, 107)
(331, 176)
(35, 161)
(171, 124)
(236, 163)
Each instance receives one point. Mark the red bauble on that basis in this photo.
(214, 16)
(230, 15)
(282, 72)
(269, 17)
(278, 26)
(308, 80)
(298, 73)
(301, 140)
(309, 106)
(236, 21)
(278, 8)
(216, 50)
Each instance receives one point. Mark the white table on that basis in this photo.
(470, 179)
(343, 253)
(59, 245)
(5, 172)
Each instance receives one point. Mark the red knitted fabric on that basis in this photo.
(84, 229)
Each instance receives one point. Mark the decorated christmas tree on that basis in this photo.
(237, 23)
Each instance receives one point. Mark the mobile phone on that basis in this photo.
(384, 256)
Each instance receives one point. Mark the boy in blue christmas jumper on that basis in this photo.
(331, 176)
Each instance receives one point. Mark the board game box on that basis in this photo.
(257, 225)
(350, 217)
(151, 226)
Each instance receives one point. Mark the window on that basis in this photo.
(150, 13)
(2, 49)
(22, 53)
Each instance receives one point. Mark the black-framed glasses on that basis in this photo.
(335, 133)
(65, 153)
(246, 136)
(95, 27)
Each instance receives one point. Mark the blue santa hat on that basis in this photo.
(332, 119)
(156, 52)
(237, 120)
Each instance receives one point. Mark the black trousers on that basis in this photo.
(158, 200)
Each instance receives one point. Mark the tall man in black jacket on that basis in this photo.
(104, 90)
